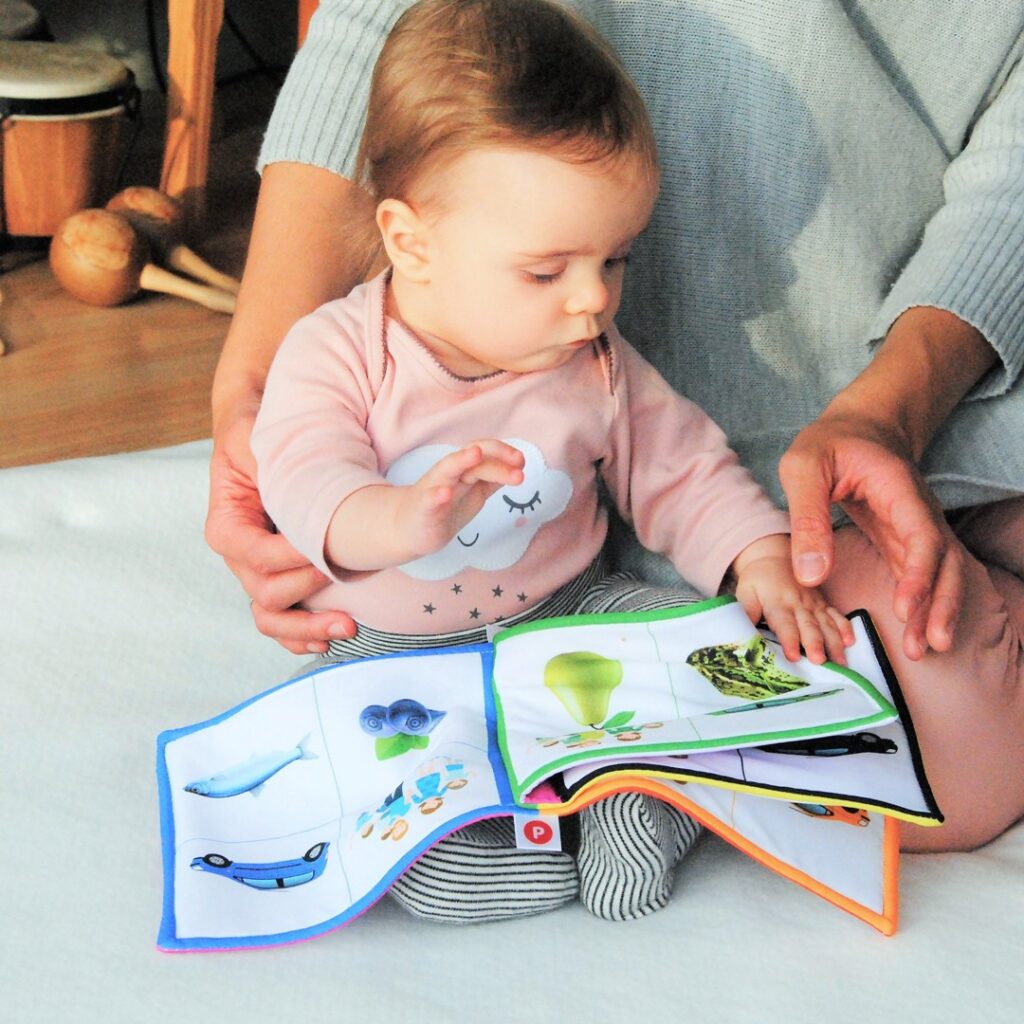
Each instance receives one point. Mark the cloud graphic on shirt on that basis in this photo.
(499, 534)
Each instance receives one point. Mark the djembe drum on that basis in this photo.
(64, 111)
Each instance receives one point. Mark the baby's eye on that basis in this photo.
(616, 261)
(544, 278)
(527, 506)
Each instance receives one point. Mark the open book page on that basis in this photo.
(845, 855)
(588, 688)
(294, 812)
(878, 769)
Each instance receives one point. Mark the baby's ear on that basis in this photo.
(405, 238)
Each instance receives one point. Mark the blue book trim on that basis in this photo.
(167, 938)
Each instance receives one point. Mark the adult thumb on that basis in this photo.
(808, 487)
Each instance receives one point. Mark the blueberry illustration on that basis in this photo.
(374, 720)
(412, 717)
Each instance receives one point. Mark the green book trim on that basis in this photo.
(885, 712)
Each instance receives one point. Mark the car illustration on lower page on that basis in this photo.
(282, 874)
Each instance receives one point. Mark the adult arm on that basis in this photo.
(297, 260)
(862, 453)
(953, 327)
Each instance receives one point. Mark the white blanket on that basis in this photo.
(116, 622)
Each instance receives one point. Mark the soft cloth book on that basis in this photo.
(293, 813)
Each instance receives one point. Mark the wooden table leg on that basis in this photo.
(194, 26)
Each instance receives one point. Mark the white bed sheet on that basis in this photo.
(117, 622)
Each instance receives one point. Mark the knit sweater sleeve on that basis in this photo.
(319, 113)
(675, 479)
(969, 260)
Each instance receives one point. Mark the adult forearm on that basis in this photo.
(929, 360)
(300, 256)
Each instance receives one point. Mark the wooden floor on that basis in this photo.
(80, 380)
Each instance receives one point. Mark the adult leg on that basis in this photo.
(967, 705)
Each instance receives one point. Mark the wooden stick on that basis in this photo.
(156, 279)
(158, 217)
(182, 258)
(193, 27)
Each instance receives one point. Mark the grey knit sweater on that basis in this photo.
(827, 164)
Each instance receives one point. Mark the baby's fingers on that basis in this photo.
(837, 633)
(450, 471)
(783, 623)
(824, 634)
(499, 464)
(813, 633)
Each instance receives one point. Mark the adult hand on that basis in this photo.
(295, 263)
(867, 468)
(273, 573)
(862, 454)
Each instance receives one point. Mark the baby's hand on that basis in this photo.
(797, 615)
(454, 490)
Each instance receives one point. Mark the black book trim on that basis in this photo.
(566, 793)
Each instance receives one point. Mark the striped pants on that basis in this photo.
(619, 854)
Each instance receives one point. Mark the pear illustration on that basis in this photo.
(583, 683)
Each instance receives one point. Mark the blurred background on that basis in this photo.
(82, 379)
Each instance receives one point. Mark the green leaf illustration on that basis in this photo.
(618, 720)
(744, 670)
(387, 747)
(391, 746)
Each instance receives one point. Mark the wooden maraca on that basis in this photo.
(158, 218)
(101, 259)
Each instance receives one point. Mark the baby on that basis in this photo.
(437, 441)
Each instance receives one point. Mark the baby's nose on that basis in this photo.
(591, 297)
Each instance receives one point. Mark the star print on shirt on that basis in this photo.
(429, 609)
(456, 588)
(521, 598)
(475, 613)
(497, 591)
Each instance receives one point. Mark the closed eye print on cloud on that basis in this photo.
(499, 534)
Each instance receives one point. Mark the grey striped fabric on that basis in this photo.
(477, 875)
(629, 844)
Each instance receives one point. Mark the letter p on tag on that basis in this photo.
(537, 832)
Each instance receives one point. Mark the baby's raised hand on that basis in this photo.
(797, 615)
(384, 525)
(454, 490)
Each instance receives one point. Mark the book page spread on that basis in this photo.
(294, 812)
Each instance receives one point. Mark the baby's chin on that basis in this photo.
(552, 358)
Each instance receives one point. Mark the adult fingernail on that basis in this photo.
(809, 567)
(338, 631)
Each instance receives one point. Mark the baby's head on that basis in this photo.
(504, 135)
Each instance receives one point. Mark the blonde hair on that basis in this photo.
(455, 75)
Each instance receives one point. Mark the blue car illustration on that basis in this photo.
(282, 874)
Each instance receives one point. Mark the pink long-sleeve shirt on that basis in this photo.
(354, 399)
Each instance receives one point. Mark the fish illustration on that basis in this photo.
(249, 776)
